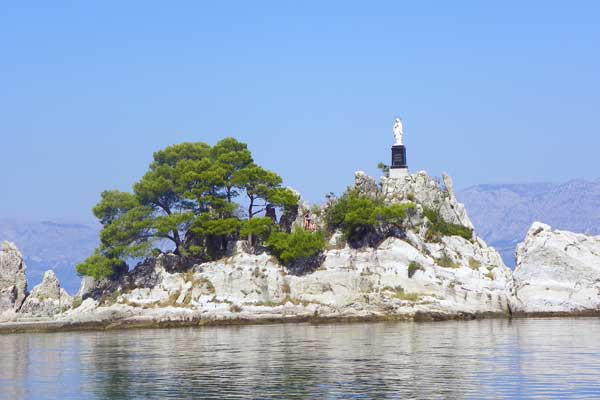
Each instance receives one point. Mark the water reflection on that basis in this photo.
(483, 359)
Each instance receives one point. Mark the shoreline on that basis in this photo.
(7, 328)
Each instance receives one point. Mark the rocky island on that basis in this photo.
(399, 249)
(405, 277)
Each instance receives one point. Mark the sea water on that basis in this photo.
(494, 358)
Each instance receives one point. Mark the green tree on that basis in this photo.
(232, 156)
(186, 198)
(353, 213)
(126, 224)
(284, 198)
(258, 183)
(263, 188)
(113, 204)
(100, 266)
(258, 229)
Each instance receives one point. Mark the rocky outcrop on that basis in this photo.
(47, 298)
(13, 283)
(91, 287)
(409, 276)
(367, 282)
(557, 272)
(366, 185)
(429, 193)
(400, 279)
(419, 188)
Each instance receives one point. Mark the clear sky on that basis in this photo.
(490, 92)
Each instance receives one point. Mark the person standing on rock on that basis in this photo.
(308, 226)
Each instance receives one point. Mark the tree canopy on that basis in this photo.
(187, 202)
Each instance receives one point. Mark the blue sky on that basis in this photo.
(489, 92)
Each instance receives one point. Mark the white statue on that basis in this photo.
(398, 131)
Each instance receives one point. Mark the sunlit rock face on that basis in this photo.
(47, 298)
(426, 191)
(351, 283)
(557, 271)
(13, 283)
(404, 277)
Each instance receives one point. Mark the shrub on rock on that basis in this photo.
(413, 267)
(365, 220)
(300, 250)
(438, 227)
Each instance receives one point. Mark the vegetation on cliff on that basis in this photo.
(366, 220)
(299, 249)
(188, 202)
(438, 227)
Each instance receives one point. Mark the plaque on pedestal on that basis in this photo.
(398, 156)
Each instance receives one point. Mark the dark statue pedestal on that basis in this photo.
(398, 156)
(398, 168)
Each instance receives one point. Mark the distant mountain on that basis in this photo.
(57, 245)
(503, 213)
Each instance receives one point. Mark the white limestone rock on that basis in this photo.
(157, 283)
(86, 307)
(426, 191)
(13, 282)
(47, 298)
(336, 240)
(86, 287)
(366, 185)
(557, 272)
(351, 282)
(453, 277)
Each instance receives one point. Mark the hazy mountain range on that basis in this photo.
(501, 214)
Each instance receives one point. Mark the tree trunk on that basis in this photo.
(250, 207)
(177, 242)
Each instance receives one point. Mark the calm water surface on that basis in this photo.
(535, 358)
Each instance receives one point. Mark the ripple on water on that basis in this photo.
(529, 358)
